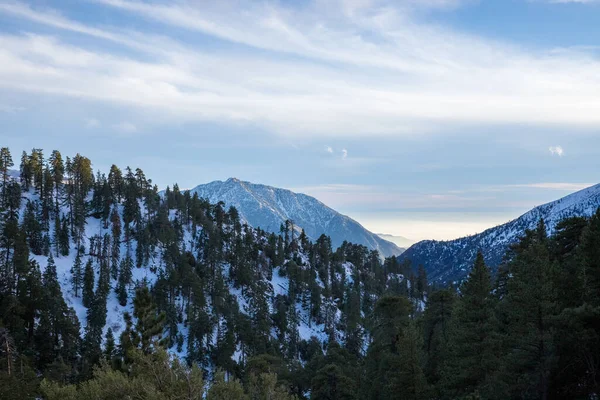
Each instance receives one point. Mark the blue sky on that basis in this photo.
(421, 118)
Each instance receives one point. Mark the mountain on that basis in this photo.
(400, 241)
(447, 261)
(268, 207)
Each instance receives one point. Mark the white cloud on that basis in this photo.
(92, 123)
(344, 154)
(126, 127)
(329, 149)
(556, 150)
(405, 77)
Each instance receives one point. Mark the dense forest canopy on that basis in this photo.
(109, 289)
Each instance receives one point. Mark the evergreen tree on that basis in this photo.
(390, 319)
(472, 359)
(115, 251)
(531, 308)
(57, 169)
(222, 389)
(124, 279)
(409, 377)
(330, 383)
(6, 163)
(77, 273)
(265, 386)
(63, 238)
(26, 174)
(437, 331)
(148, 330)
(87, 293)
(109, 345)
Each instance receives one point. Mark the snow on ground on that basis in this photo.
(279, 283)
(115, 320)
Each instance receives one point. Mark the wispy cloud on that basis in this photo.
(344, 154)
(556, 150)
(405, 77)
(329, 149)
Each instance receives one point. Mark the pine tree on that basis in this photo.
(436, 332)
(222, 389)
(87, 293)
(124, 278)
(33, 228)
(330, 383)
(408, 377)
(26, 174)
(63, 239)
(115, 251)
(57, 334)
(77, 273)
(390, 319)
(6, 163)
(109, 345)
(57, 169)
(36, 163)
(473, 343)
(149, 325)
(115, 182)
(531, 309)
(81, 181)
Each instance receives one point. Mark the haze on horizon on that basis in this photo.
(429, 119)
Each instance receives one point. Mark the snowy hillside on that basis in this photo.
(274, 283)
(447, 261)
(88, 261)
(268, 207)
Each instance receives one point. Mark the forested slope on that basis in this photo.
(108, 290)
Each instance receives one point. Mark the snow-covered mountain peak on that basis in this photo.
(269, 207)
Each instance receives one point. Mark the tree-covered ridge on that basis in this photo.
(109, 290)
(227, 292)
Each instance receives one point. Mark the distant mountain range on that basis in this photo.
(268, 207)
(400, 241)
(447, 261)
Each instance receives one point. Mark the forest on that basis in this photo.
(111, 289)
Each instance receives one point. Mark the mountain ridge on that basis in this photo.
(268, 207)
(450, 260)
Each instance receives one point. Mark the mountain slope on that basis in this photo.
(447, 261)
(268, 207)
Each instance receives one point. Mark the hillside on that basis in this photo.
(269, 207)
(447, 261)
(77, 248)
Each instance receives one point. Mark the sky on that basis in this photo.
(430, 119)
